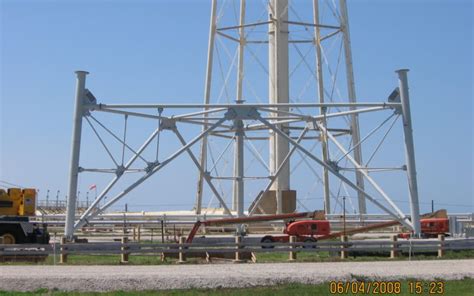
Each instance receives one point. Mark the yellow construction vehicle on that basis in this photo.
(16, 206)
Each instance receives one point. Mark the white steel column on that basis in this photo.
(75, 152)
(324, 143)
(238, 189)
(410, 151)
(279, 91)
(240, 71)
(207, 96)
(352, 98)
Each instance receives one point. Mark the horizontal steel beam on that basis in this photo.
(208, 106)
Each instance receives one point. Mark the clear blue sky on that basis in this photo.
(155, 51)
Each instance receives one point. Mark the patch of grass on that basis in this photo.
(459, 287)
(327, 257)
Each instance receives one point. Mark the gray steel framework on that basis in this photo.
(221, 114)
(241, 122)
(279, 82)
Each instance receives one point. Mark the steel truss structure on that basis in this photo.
(223, 122)
(288, 125)
(279, 42)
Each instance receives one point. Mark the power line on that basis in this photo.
(11, 184)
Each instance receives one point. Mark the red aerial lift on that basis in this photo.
(316, 227)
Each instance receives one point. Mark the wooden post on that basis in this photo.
(253, 257)
(63, 250)
(1, 243)
(124, 249)
(292, 253)
(162, 232)
(134, 229)
(139, 235)
(394, 251)
(182, 255)
(238, 241)
(343, 246)
(441, 245)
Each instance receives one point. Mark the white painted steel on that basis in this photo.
(75, 151)
(322, 110)
(352, 98)
(238, 185)
(410, 151)
(362, 170)
(275, 117)
(336, 173)
(274, 105)
(278, 91)
(207, 98)
(255, 203)
(89, 214)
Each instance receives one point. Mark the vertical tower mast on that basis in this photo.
(207, 98)
(240, 123)
(75, 152)
(352, 98)
(238, 190)
(320, 82)
(278, 91)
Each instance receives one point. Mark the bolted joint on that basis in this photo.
(333, 164)
(120, 170)
(151, 165)
(253, 113)
(238, 126)
(394, 97)
(89, 98)
(167, 124)
(230, 114)
(89, 102)
(207, 175)
(311, 124)
(242, 112)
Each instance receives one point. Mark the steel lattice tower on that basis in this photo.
(280, 119)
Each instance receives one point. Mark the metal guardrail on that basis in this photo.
(237, 250)
(144, 217)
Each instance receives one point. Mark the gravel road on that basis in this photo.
(107, 278)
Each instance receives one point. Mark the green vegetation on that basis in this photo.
(326, 257)
(458, 288)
